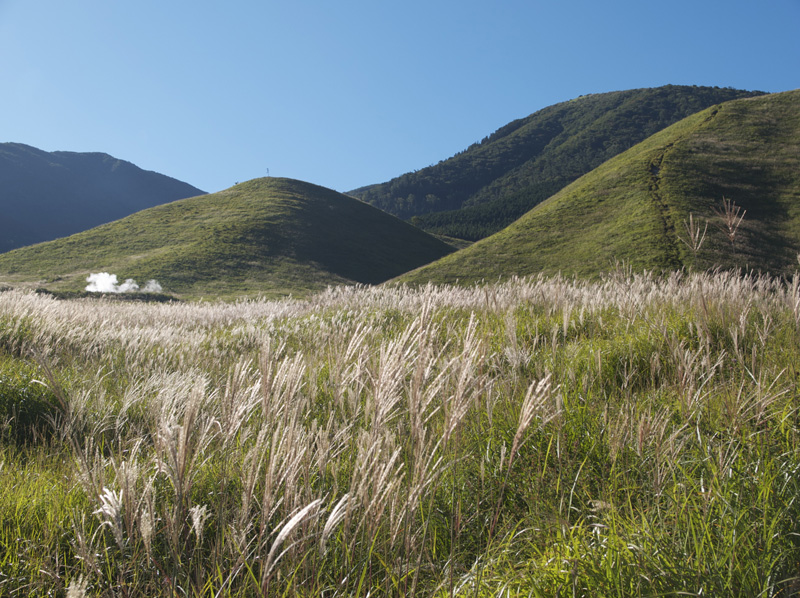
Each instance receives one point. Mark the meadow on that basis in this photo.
(635, 435)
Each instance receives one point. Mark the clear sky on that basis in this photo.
(348, 93)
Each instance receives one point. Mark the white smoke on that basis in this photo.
(103, 282)
(151, 286)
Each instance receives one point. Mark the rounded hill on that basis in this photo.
(271, 236)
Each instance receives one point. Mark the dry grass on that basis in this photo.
(636, 435)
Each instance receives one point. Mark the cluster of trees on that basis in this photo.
(475, 222)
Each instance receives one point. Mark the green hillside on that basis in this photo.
(492, 183)
(270, 236)
(634, 207)
(47, 195)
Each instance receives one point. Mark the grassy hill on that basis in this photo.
(492, 183)
(634, 207)
(47, 195)
(271, 236)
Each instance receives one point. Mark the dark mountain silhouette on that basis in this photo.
(47, 195)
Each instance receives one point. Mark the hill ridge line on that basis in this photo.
(660, 204)
(662, 210)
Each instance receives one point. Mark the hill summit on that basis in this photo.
(269, 236)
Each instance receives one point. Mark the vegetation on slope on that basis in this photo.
(634, 207)
(638, 436)
(271, 236)
(47, 195)
(492, 183)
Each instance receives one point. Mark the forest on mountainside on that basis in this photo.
(527, 160)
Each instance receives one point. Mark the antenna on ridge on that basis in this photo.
(267, 171)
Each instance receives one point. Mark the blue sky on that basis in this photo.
(349, 93)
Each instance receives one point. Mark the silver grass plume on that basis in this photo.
(273, 557)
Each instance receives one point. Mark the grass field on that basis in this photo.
(544, 437)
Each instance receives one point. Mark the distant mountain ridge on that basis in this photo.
(47, 195)
(481, 190)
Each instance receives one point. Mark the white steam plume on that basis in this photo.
(152, 286)
(103, 282)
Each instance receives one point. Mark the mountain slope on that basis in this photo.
(634, 207)
(492, 183)
(46, 195)
(272, 236)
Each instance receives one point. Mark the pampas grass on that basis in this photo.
(635, 435)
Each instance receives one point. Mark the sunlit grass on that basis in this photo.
(632, 436)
